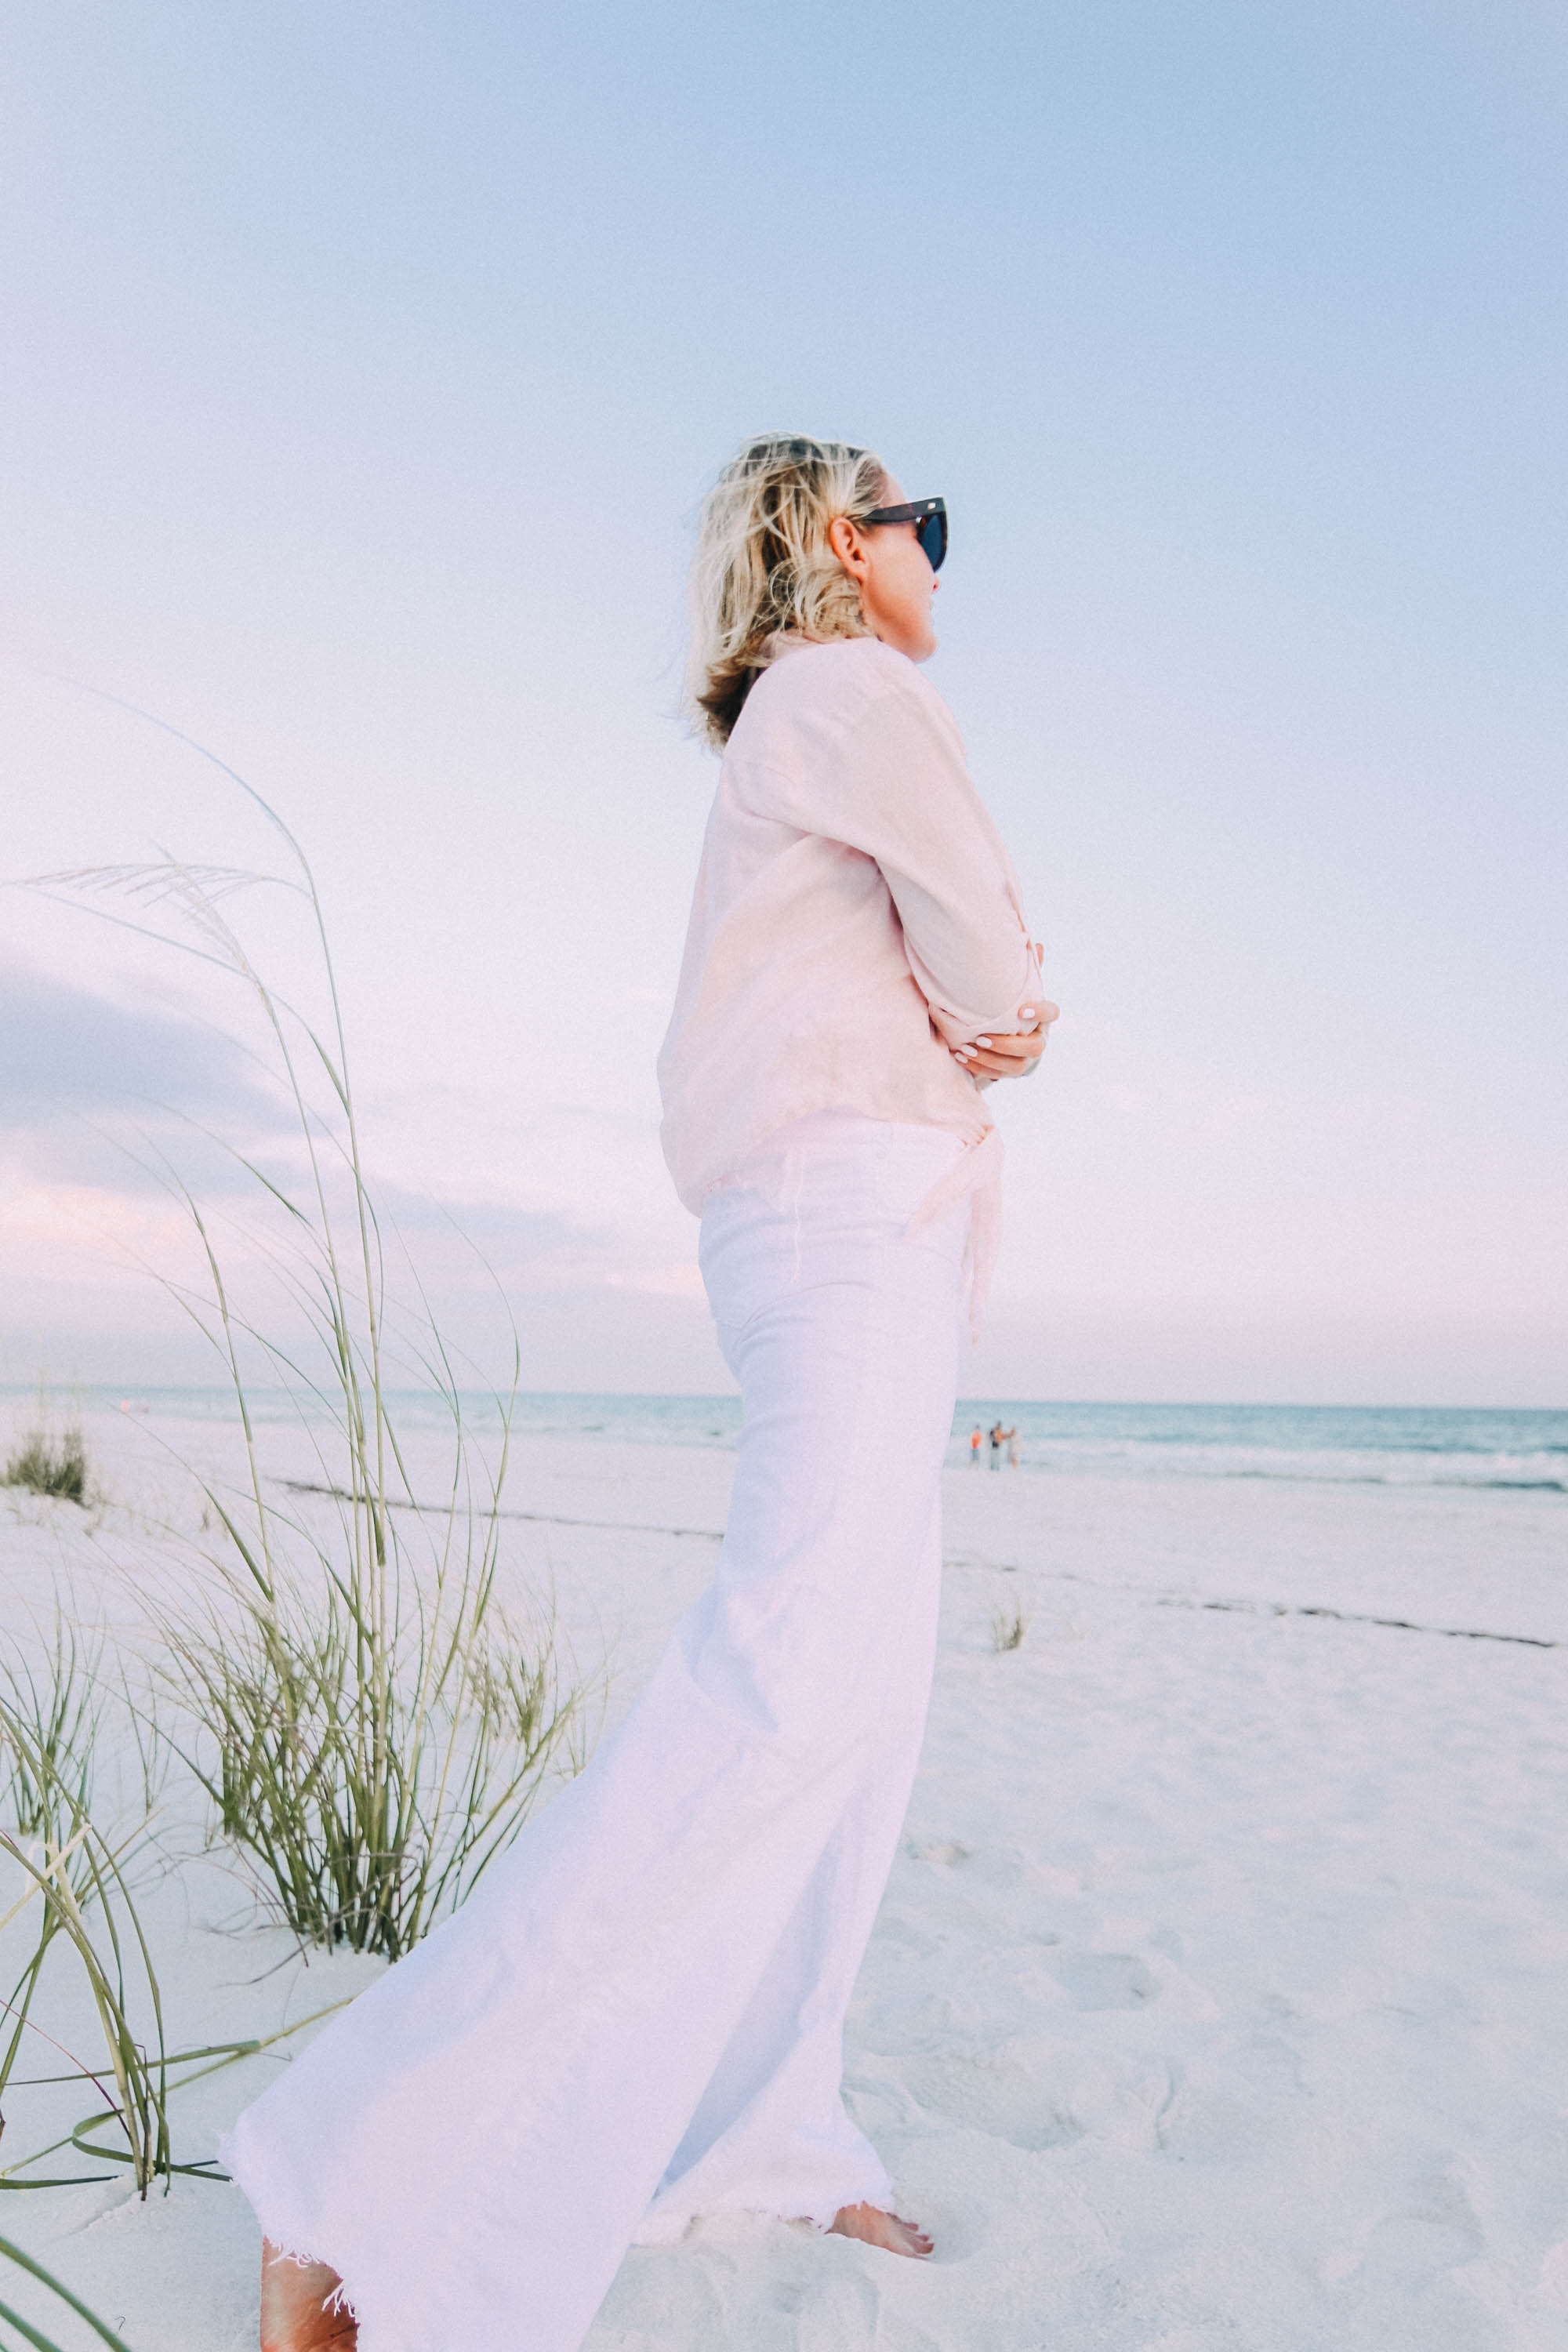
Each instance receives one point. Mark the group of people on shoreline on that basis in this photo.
(996, 1437)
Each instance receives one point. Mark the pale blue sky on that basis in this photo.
(363, 368)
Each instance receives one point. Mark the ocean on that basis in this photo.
(1502, 1450)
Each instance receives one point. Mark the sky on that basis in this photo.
(363, 368)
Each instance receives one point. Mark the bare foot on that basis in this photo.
(295, 2296)
(889, 2231)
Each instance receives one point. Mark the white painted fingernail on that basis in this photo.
(983, 1041)
(1026, 1013)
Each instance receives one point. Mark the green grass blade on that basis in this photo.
(26, 2262)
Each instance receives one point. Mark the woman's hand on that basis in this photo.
(1015, 1055)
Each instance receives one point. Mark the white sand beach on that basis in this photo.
(537, 698)
(1216, 2004)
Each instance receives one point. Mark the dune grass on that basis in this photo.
(1008, 1627)
(369, 1775)
(48, 1466)
(370, 1724)
(58, 1700)
(62, 2295)
(76, 1873)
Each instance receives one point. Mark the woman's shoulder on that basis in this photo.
(839, 678)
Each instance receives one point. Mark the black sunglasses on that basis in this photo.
(929, 517)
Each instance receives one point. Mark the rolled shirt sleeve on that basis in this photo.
(895, 786)
(856, 919)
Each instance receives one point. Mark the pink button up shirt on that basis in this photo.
(856, 915)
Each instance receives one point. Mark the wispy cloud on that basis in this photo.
(66, 1055)
(104, 1105)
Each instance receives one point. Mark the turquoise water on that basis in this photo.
(1383, 1445)
(1518, 1452)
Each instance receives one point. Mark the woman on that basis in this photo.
(638, 2016)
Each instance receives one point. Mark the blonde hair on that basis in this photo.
(763, 562)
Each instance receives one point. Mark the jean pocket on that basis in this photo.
(911, 1162)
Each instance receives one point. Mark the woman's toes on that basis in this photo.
(920, 2243)
(889, 2231)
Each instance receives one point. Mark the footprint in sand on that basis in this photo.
(1000, 2092)
(1037, 2093)
(1432, 2227)
(1104, 1979)
(816, 2315)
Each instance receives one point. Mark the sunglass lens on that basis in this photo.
(934, 539)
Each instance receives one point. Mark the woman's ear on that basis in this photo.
(848, 544)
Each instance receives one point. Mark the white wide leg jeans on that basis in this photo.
(638, 2015)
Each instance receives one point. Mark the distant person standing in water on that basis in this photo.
(996, 1435)
(975, 1442)
(638, 2016)
(1012, 1449)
